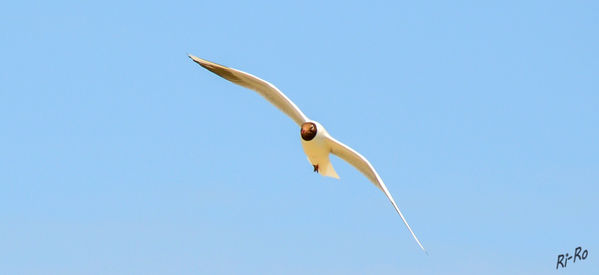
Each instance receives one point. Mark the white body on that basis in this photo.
(321, 146)
(318, 150)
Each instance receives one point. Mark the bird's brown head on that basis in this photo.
(308, 131)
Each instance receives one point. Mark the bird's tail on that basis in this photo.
(326, 169)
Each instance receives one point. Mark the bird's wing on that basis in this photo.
(265, 89)
(361, 163)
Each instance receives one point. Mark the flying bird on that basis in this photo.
(317, 143)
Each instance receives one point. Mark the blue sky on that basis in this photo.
(121, 156)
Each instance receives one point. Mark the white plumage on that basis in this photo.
(317, 147)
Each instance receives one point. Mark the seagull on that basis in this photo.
(317, 143)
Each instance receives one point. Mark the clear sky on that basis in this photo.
(119, 155)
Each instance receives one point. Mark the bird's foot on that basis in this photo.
(315, 168)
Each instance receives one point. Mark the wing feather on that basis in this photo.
(361, 163)
(265, 89)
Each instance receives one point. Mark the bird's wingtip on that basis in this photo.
(195, 58)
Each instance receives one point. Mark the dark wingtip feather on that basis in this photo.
(222, 71)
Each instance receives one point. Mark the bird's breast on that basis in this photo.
(316, 149)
